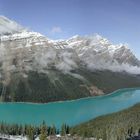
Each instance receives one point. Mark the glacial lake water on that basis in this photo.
(69, 112)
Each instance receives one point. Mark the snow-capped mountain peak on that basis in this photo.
(20, 35)
(33, 51)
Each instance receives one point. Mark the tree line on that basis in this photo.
(42, 131)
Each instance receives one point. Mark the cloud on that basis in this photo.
(9, 26)
(56, 30)
(114, 67)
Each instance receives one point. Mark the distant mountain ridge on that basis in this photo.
(61, 65)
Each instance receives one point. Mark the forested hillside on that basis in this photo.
(56, 86)
(117, 126)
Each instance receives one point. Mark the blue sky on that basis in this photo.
(117, 20)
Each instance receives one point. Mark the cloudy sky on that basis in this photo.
(117, 20)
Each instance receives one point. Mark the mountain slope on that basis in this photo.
(38, 69)
(120, 125)
(98, 52)
(57, 86)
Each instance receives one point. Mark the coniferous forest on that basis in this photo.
(123, 125)
(32, 132)
(58, 86)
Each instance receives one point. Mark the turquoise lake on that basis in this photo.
(69, 112)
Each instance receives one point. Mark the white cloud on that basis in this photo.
(56, 30)
(9, 26)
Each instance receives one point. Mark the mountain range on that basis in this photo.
(34, 68)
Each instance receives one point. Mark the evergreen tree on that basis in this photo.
(53, 130)
(43, 132)
(139, 132)
(67, 129)
(63, 130)
(30, 133)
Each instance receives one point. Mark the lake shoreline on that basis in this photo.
(70, 112)
(83, 98)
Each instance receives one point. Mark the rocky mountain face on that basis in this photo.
(29, 59)
(97, 50)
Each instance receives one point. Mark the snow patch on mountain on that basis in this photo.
(22, 35)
